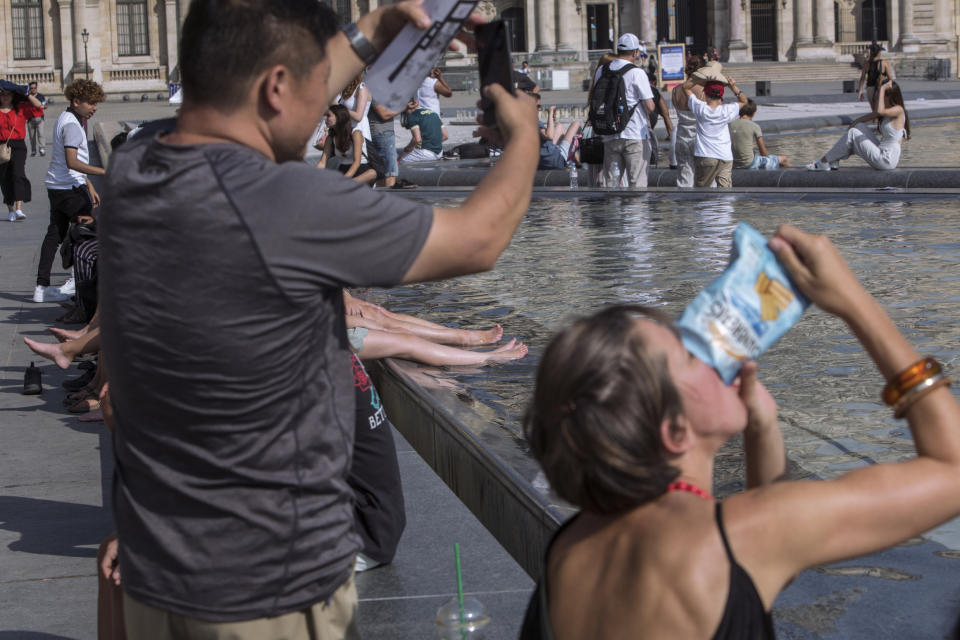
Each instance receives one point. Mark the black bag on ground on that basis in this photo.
(609, 111)
(77, 234)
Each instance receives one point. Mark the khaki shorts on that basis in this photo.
(333, 620)
(706, 170)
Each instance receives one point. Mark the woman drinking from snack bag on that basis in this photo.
(626, 423)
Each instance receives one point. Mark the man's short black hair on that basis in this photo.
(31, 84)
(225, 44)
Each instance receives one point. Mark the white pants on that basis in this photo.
(419, 155)
(633, 156)
(685, 162)
(860, 140)
(673, 147)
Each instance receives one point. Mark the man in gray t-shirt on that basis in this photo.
(222, 261)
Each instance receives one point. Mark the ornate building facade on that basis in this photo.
(129, 46)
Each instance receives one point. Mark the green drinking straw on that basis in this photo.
(463, 617)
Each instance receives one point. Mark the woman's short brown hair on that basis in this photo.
(85, 91)
(599, 401)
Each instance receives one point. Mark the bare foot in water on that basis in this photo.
(490, 336)
(66, 334)
(512, 350)
(49, 351)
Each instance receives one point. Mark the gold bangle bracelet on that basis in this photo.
(910, 377)
(917, 393)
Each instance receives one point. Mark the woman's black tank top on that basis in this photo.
(874, 72)
(743, 617)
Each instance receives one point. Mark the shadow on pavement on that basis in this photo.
(56, 528)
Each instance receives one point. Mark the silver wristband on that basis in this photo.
(361, 46)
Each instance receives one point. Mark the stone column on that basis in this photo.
(824, 24)
(737, 47)
(803, 23)
(170, 12)
(644, 23)
(546, 40)
(530, 23)
(908, 41)
(67, 54)
(568, 25)
(942, 12)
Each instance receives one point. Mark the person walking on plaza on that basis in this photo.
(69, 189)
(428, 95)
(749, 150)
(14, 184)
(713, 154)
(876, 72)
(628, 150)
(230, 378)
(883, 154)
(34, 115)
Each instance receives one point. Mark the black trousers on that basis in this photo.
(65, 204)
(13, 175)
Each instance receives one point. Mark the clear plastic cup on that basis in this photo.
(475, 620)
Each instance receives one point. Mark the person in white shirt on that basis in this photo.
(68, 187)
(713, 154)
(630, 148)
(428, 95)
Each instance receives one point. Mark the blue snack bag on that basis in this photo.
(742, 313)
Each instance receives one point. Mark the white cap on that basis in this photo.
(628, 42)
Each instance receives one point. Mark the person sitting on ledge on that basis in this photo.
(346, 143)
(555, 143)
(749, 150)
(626, 424)
(426, 134)
(893, 127)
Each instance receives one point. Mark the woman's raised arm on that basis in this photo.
(792, 526)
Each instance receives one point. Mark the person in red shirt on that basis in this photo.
(13, 129)
(34, 116)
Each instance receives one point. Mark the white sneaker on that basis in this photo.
(834, 165)
(12, 217)
(69, 287)
(20, 214)
(47, 294)
(816, 165)
(364, 563)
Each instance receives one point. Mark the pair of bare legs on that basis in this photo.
(71, 344)
(396, 335)
(555, 130)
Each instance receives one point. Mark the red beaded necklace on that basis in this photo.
(680, 485)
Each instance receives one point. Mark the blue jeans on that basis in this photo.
(386, 145)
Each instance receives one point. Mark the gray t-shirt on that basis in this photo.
(230, 371)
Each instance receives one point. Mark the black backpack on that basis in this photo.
(609, 111)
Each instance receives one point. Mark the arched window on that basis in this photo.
(132, 38)
(27, 30)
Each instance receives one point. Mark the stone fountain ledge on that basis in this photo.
(468, 173)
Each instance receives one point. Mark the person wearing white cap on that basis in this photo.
(630, 147)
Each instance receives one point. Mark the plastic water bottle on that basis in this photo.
(450, 625)
(572, 169)
(616, 175)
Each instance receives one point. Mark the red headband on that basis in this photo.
(713, 89)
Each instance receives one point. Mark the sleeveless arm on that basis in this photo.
(785, 528)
